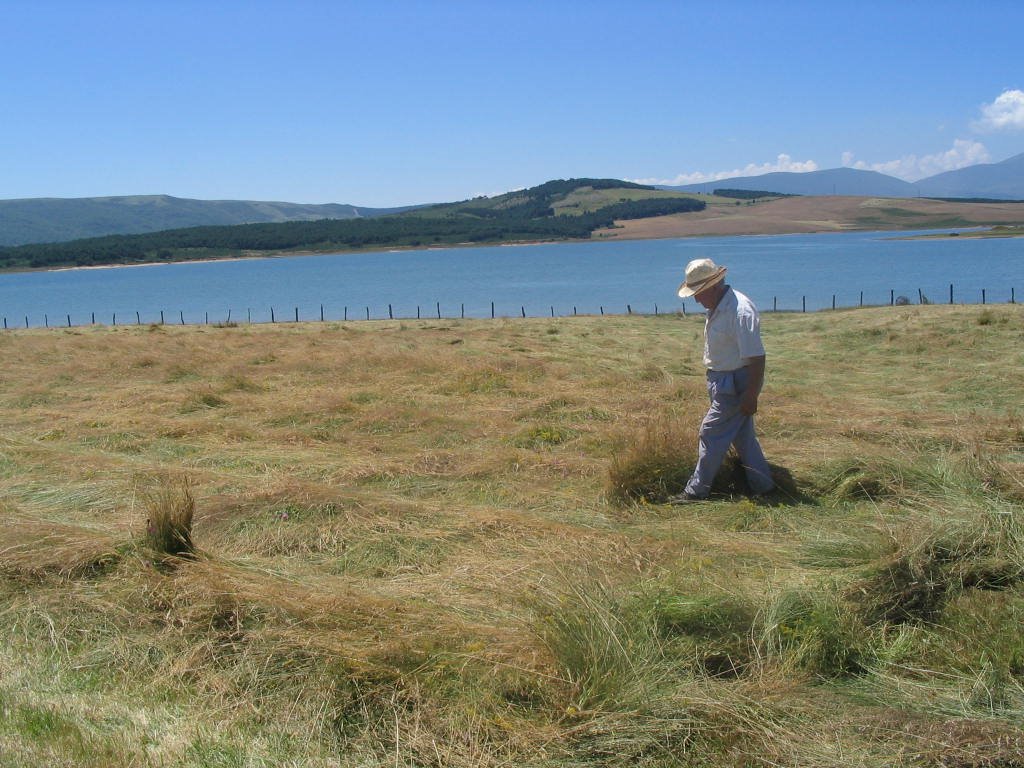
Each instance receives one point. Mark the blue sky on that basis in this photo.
(395, 102)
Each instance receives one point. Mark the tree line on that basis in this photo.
(532, 219)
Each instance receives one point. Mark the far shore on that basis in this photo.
(781, 216)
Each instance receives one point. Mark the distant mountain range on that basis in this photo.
(51, 220)
(55, 220)
(997, 181)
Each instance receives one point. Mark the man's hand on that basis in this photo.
(748, 403)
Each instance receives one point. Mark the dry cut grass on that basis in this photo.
(443, 543)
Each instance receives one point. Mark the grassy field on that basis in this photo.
(442, 543)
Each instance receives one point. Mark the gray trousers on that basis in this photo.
(726, 425)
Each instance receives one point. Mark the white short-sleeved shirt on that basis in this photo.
(732, 333)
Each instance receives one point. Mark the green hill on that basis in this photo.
(557, 210)
(50, 220)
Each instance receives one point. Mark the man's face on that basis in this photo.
(708, 298)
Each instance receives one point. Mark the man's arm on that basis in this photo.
(748, 404)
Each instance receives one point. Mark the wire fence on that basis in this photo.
(364, 312)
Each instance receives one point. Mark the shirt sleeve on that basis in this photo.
(748, 333)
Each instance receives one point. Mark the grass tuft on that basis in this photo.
(170, 509)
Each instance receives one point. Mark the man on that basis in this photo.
(734, 358)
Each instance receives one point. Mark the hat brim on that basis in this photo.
(686, 290)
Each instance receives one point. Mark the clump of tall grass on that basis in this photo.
(985, 551)
(654, 466)
(605, 647)
(170, 508)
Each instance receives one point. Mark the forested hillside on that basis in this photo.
(517, 216)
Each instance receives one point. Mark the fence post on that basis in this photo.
(26, 321)
(69, 321)
(950, 293)
(181, 314)
(138, 318)
(321, 313)
(805, 303)
(982, 295)
(206, 318)
(1013, 299)
(524, 311)
(552, 311)
(862, 298)
(346, 313)
(46, 319)
(833, 301)
(463, 311)
(439, 310)
(775, 303)
(367, 313)
(574, 311)
(272, 318)
(391, 315)
(228, 321)
(113, 320)
(417, 311)
(492, 310)
(655, 310)
(296, 314)
(94, 318)
(892, 297)
(162, 317)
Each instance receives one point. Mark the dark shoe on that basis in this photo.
(684, 498)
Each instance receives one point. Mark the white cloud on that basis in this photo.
(782, 163)
(911, 167)
(1005, 113)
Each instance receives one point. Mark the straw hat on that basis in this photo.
(701, 274)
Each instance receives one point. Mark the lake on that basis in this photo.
(783, 272)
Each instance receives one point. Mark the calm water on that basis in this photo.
(776, 271)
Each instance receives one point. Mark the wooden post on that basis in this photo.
(629, 310)
(296, 314)
(463, 311)
(920, 296)
(26, 321)
(5, 323)
(69, 321)
(94, 318)
(775, 303)
(181, 313)
(492, 310)
(367, 313)
(228, 320)
(138, 318)
(833, 301)
(417, 311)
(655, 310)
(574, 311)
(113, 320)
(524, 311)
(206, 318)
(321, 313)
(162, 317)
(46, 319)
(439, 310)
(1013, 299)
(805, 303)
(391, 315)
(272, 318)
(248, 314)
(552, 311)
(602, 311)
(982, 295)
(892, 297)
(346, 313)
(950, 293)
